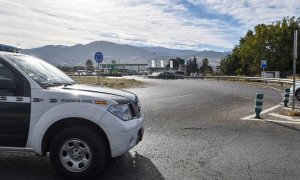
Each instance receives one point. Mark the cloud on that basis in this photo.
(250, 13)
(168, 23)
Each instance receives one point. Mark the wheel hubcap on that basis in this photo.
(75, 155)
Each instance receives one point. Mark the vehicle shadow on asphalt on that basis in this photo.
(131, 166)
(25, 166)
(28, 166)
(285, 126)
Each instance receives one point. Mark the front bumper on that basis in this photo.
(123, 142)
(122, 135)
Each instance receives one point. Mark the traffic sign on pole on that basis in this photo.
(264, 64)
(98, 59)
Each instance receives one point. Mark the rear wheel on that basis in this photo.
(78, 153)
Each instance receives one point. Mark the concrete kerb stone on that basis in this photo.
(279, 114)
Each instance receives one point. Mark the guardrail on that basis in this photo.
(241, 78)
(101, 75)
(234, 78)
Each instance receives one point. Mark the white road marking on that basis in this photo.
(162, 99)
(273, 88)
(284, 117)
(264, 86)
(263, 112)
(278, 121)
(287, 119)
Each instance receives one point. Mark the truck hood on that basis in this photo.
(120, 95)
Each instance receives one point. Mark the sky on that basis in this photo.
(181, 24)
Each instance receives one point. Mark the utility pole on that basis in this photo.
(294, 65)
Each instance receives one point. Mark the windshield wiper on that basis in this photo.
(52, 85)
(68, 84)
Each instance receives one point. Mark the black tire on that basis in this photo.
(95, 153)
(297, 94)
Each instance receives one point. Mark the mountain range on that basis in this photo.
(122, 53)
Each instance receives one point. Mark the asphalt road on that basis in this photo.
(193, 131)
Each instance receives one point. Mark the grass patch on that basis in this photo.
(118, 83)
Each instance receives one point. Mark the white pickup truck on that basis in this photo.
(44, 111)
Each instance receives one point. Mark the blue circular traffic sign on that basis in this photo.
(98, 57)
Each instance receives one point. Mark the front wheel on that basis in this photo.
(78, 153)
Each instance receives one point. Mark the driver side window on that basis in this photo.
(10, 83)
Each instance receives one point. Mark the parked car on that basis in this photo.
(89, 73)
(153, 75)
(165, 75)
(202, 75)
(178, 74)
(43, 111)
(297, 90)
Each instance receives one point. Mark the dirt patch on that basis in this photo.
(289, 112)
(118, 83)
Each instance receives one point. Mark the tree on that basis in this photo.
(205, 67)
(89, 65)
(272, 42)
(192, 66)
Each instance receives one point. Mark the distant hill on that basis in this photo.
(123, 53)
(162, 51)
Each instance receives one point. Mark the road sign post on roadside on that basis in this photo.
(98, 59)
(263, 66)
(294, 65)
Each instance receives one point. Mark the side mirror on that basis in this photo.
(7, 84)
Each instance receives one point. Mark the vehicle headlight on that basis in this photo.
(122, 111)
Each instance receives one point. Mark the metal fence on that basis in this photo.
(242, 78)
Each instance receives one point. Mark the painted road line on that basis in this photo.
(284, 117)
(263, 112)
(277, 121)
(263, 86)
(273, 88)
(290, 108)
(162, 99)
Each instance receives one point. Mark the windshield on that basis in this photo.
(42, 72)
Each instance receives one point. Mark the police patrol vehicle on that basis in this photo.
(44, 111)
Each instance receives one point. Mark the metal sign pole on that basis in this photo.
(98, 74)
(263, 74)
(294, 66)
(98, 59)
